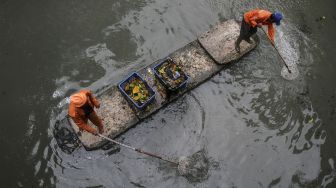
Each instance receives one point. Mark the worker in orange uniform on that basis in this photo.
(81, 109)
(254, 19)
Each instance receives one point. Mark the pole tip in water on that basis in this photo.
(290, 73)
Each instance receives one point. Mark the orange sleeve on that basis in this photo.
(82, 125)
(253, 23)
(271, 32)
(250, 17)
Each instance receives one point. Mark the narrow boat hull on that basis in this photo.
(200, 60)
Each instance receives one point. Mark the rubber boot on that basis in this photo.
(95, 119)
(248, 40)
(237, 44)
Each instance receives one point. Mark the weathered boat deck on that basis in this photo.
(200, 60)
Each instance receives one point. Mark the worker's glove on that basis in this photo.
(95, 132)
(98, 105)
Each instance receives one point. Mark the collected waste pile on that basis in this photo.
(171, 75)
(137, 90)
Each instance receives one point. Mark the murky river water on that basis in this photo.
(258, 129)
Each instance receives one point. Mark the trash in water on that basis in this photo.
(65, 138)
(311, 120)
(322, 18)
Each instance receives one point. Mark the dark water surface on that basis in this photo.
(259, 129)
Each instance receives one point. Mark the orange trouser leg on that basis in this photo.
(95, 119)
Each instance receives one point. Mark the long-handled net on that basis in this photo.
(194, 168)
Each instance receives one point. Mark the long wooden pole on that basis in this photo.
(137, 149)
(277, 50)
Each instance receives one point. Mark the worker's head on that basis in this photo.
(276, 17)
(78, 99)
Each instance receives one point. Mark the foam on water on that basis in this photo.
(289, 50)
(294, 72)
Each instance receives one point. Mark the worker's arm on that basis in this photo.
(271, 32)
(251, 17)
(93, 99)
(84, 126)
(253, 22)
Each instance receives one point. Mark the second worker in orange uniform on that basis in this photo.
(254, 19)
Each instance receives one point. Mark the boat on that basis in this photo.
(201, 59)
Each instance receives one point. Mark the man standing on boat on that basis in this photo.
(254, 19)
(81, 109)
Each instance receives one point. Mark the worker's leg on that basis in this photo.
(95, 119)
(244, 30)
(237, 44)
(251, 32)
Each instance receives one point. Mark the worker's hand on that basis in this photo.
(98, 105)
(95, 132)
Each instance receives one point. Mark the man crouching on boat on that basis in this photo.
(254, 19)
(81, 109)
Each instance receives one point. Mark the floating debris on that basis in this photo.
(322, 18)
(311, 120)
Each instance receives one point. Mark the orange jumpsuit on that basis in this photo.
(81, 118)
(260, 17)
